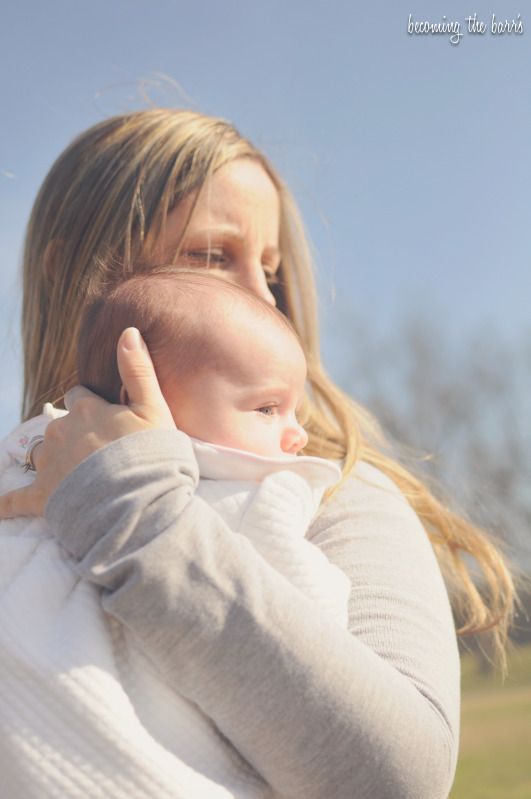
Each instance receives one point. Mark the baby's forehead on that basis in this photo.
(211, 323)
(258, 353)
(245, 324)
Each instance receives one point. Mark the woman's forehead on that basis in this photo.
(238, 195)
(238, 202)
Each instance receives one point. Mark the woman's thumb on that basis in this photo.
(139, 379)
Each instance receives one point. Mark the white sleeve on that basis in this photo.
(277, 521)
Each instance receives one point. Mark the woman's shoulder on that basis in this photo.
(369, 516)
(366, 489)
(366, 477)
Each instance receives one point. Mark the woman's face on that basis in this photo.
(234, 229)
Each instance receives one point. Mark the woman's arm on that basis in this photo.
(318, 711)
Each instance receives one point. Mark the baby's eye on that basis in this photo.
(267, 410)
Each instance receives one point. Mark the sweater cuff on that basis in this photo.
(122, 471)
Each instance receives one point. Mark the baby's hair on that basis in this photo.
(177, 315)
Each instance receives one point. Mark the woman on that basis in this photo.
(317, 711)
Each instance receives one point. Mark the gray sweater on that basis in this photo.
(318, 711)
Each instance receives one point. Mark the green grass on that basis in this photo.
(495, 752)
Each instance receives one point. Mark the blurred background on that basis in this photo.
(411, 160)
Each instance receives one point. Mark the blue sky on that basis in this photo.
(410, 157)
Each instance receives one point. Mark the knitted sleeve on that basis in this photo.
(317, 710)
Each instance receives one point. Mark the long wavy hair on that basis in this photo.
(104, 200)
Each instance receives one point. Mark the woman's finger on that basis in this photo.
(139, 380)
(25, 501)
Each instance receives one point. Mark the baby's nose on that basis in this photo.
(294, 439)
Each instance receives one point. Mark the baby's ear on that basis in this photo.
(124, 399)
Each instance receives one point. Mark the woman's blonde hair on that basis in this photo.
(104, 200)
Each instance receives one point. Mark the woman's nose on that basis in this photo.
(294, 439)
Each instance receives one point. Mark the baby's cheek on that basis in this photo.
(267, 439)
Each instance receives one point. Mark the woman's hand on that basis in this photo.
(91, 424)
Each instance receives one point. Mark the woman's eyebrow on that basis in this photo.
(219, 230)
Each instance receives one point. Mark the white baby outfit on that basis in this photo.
(83, 711)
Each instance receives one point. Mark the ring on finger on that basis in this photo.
(29, 465)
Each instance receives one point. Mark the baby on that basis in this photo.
(229, 364)
(233, 373)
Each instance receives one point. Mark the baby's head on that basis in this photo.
(229, 364)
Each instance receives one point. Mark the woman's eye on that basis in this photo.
(272, 273)
(205, 256)
(272, 278)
